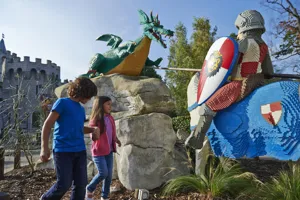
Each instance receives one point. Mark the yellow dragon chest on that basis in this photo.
(133, 64)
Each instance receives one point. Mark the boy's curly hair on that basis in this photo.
(82, 88)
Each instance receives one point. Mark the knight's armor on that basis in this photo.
(253, 65)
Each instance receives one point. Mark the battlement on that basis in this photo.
(38, 61)
(26, 59)
(13, 58)
(17, 59)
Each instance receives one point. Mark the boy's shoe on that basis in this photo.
(104, 199)
(88, 195)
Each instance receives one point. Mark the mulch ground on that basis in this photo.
(21, 185)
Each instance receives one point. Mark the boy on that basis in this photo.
(69, 151)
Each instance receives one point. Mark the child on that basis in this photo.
(102, 148)
(69, 152)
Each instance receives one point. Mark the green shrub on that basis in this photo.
(182, 123)
(286, 186)
(222, 178)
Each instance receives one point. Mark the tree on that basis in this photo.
(233, 35)
(187, 55)
(179, 57)
(15, 136)
(150, 72)
(287, 27)
(202, 39)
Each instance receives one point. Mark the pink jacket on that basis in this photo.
(101, 146)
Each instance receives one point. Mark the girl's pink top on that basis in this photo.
(101, 147)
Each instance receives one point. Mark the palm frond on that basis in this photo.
(221, 177)
(184, 184)
(285, 186)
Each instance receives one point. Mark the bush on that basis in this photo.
(222, 178)
(182, 123)
(286, 186)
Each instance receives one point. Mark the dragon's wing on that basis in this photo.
(112, 40)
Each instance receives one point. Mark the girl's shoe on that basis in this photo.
(88, 195)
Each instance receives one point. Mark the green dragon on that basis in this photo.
(131, 57)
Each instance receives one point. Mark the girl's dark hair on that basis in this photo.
(82, 88)
(98, 112)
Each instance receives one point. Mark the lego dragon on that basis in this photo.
(130, 57)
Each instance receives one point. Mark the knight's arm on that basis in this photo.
(243, 46)
(267, 67)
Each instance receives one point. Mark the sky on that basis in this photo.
(65, 32)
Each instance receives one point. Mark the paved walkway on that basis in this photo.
(9, 160)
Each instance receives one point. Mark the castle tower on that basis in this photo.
(2, 69)
(35, 79)
(2, 58)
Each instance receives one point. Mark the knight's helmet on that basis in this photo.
(249, 20)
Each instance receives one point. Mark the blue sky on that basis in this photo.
(65, 31)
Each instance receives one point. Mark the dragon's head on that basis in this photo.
(153, 29)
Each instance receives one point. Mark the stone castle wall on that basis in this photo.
(35, 79)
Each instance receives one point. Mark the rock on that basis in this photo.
(180, 161)
(201, 157)
(153, 130)
(116, 188)
(115, 170)
(182, 135)
(91, 170)
(131, 95)
(4, 196)
(147, 156)
(44, 165)
(88, 145)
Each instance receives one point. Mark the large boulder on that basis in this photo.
(131, 95)
(148, 156)
(44, 165)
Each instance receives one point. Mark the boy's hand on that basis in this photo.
(118, 142)
(45, 154)
(96, 133)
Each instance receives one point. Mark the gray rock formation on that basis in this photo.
(148, 142)
(149, 155)
(131, 95)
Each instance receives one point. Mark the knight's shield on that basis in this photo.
(217, 67)
(192, 91)
(272, 112)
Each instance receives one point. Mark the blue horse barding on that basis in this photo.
(266, 123)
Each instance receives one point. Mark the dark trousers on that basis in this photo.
(71, 168)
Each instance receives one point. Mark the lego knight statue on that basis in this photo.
(253, 66)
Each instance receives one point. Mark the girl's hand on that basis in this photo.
(118, 142)
(45, 154)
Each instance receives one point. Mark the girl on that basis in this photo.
(102, 148)
(69, 152)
